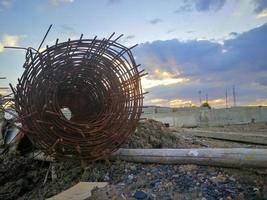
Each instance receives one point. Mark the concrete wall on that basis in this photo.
(194, 117)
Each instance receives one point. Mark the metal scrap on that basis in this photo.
(98, 81)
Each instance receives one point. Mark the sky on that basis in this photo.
(191, 49)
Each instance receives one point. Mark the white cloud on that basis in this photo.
(262, 14)
(59, 2)
(150, 83)
(259, 102)
(181, 103)
(8, 40)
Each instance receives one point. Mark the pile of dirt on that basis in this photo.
(18, 176)
(151, 134)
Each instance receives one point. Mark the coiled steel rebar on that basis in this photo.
(97, 80)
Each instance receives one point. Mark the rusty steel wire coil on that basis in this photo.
(98, 81)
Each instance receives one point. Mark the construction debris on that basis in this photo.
(80, 191)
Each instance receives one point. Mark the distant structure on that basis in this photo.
(226, 98)
(200, 99)
(234, 96)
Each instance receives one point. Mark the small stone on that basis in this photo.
(148, 174)
(20, 182)
(255, 189)
(133, 168)
(218, 179)
(258, 193)
(130, 177)
(175, 176)
(241, 196)
(140, 195)
(106, 178)
(232, 179)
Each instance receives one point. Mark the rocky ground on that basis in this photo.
(25, 178)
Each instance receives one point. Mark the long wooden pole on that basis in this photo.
(234, 157)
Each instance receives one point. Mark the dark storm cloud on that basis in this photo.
(260, 5)
(210, 66)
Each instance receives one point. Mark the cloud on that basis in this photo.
(171, 30)
(157, 102)
(155, 21)
(209, 5)
(259, 102)
(181, 103)
(262, 14)
(200, 6)
(190, 31)
(218, 103)
(186, 7)
(179, 69)
(128, 38)
(111, 2)
(68, 31)
(56, 3)
(5, 4)
(233, 34)
(169, 102)
(150, 83)
(8, 40)
(260, 5)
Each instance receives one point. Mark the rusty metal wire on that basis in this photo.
(97, 80)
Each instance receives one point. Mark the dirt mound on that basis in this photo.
(154, 134)
(18, 176)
